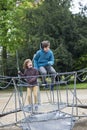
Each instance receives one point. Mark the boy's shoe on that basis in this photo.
(45, 85)
(52, 87)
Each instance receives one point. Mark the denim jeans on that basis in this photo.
(47, 70)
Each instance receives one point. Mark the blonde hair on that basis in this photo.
(26, 62)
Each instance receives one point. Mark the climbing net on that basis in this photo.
(60, 104)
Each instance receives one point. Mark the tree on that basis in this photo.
(11, 34)
(25, 24)
(64, 61)
(13, 31)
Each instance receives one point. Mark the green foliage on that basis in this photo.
(64, 59)
(25, 24)
(81, 62)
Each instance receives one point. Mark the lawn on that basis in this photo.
(78, 86)
(70, 85)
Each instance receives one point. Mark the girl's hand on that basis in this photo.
(19, 72)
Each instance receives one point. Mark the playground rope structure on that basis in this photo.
(62, 78)
(81, 76)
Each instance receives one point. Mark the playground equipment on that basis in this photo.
(58, 108)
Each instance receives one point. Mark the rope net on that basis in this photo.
(57, 108)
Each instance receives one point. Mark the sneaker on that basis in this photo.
(29, 108)
(36, 108)
(45, 85)
(52, 87)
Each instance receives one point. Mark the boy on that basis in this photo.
(43, 61)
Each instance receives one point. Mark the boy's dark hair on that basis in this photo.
(45, 44)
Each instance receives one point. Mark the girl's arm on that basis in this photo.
(21, 74)
(34, 78)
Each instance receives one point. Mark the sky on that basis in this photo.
(76, 6)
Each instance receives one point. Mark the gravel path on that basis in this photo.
(81, 124)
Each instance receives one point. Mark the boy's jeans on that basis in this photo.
(47, 70)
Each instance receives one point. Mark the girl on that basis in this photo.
(30, 74)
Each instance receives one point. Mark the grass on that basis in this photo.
(81, 85)
(71, 86)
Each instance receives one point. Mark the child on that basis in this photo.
(43, 61)
(30, 74)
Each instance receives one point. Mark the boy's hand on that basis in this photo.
(50, 62)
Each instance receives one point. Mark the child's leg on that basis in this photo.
(29, 95)
(52, 71)
(43, 73)
(35, 91)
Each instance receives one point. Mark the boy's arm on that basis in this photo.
(36, 57)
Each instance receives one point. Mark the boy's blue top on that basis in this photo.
(42, 58)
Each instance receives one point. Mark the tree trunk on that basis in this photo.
(4, 60)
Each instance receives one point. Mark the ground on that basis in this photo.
(81, 96)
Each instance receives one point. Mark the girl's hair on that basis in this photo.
(45, 44)
(25, 63)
